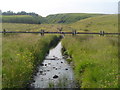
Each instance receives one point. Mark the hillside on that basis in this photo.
(50, 19)
(22, 19)
(108, 23)
(68, 17)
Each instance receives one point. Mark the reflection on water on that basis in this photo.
(54, 72)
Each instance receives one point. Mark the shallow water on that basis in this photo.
(54, 72)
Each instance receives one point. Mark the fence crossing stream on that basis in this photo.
(74, 32)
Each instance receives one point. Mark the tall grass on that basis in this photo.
(95, 60)
(21, 54)
(0, 60)
(30, 27)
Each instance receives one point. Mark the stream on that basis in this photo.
(54, 72)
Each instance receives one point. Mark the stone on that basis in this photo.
(55, 76)
(41, 72)
(44, 74)
(61, 62)
(53, 67)
(41, 64)
(66, 69)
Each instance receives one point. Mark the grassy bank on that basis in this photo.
(21, 53)
(95, 60)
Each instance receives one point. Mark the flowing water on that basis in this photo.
(54, 72)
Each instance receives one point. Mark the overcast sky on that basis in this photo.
(46, 7)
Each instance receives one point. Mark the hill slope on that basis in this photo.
(68, 17)
(108, 23)
(50, 19)
(23, 19)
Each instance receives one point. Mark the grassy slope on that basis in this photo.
(95, 58)
(68, 17)
(107, 23)
(23, 19)
(56, 18)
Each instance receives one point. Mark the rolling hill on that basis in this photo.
(50, 19)
(68, 17)
(108, 23)
(23, 19)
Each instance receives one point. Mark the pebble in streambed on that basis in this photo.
(54, 69)
(56, 76)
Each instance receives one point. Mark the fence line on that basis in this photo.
(42, 32)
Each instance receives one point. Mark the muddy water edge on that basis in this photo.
(54, 71)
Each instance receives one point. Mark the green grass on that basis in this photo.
(0, 60)
(23, 19)
(95, 57)
(30, 27)
(50, 19)
(68, 17)
(108, 23)
(95, 60)
(21, 53)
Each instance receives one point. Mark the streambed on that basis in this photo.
(54, 72)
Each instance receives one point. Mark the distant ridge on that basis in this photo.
(68, 17)
(32, 18)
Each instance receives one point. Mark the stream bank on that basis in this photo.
(40, 54)
(54, 71)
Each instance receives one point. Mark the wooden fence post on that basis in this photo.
(102, 33)
(42, 32)
(4, 31)
(74, 32)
